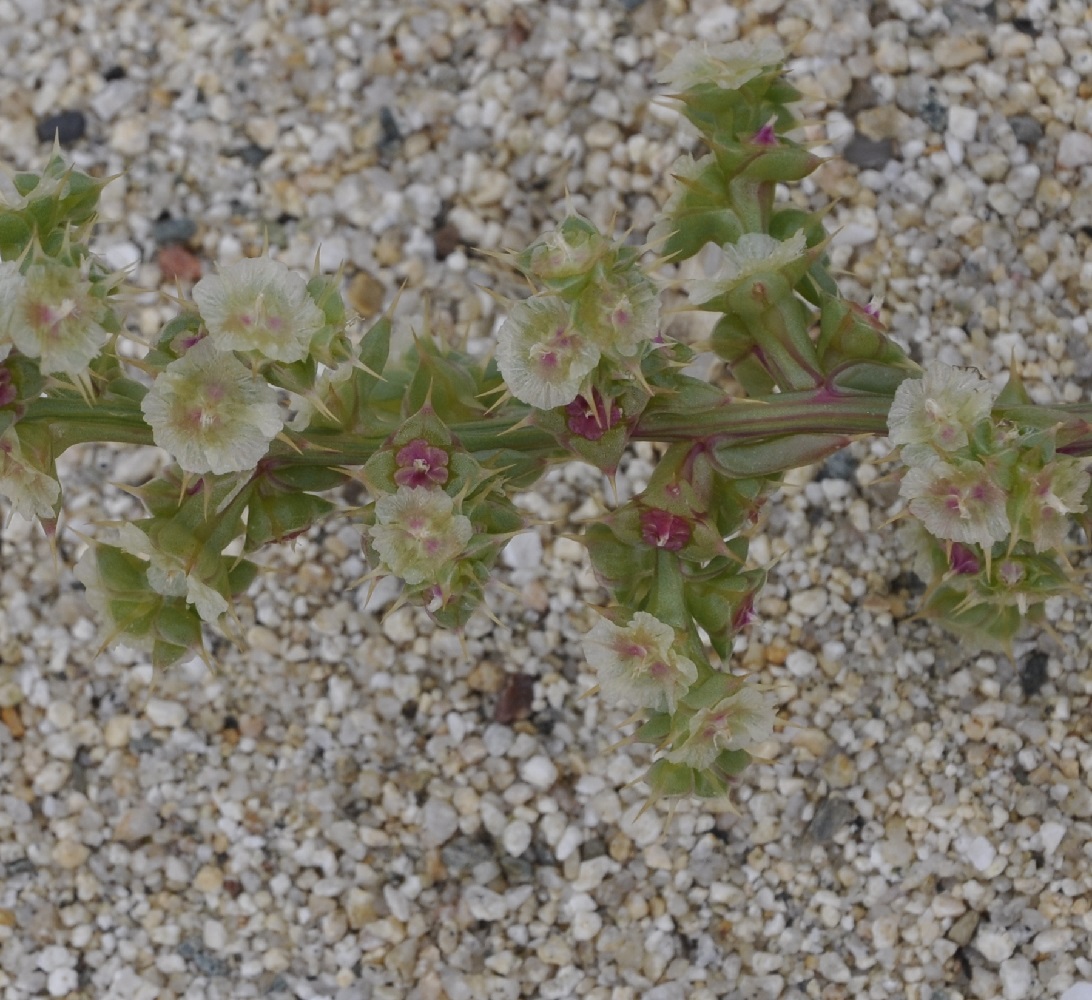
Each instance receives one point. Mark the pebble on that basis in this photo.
(980, 853)
(68, 127)
(1017, 977)
(517, 837)
(439, 822)
(484, 904)
(1078, 991)
(1075, 150)
(70, 853)
(51, 778)
(136, 824)
(166, 714)
(117, 730)
(994, 945)
(539, 771)
(801, 663)
(61, 982)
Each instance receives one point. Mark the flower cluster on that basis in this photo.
(998, 494)
(599, 311)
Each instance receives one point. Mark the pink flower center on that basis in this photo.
(663, 530)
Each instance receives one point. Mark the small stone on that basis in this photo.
(963, 929)
(980, 853)
(809, 603)
(439, 822)
(962, 123)
(994, 945)
(214, 935)
(67, 126)
(136, 824)
(1026, 129)
(869, 154)
(833, 967)
(61, 714)
(176, 263)
(539, 771)
(70, 853)
(1075, 150)
(957, 51)
(831, 815)
(1051, 834)
(366, 294)
(801, 663)
(485, 904)
(515, 699)
(446, 240)
(1078, 991)
(117, 730)
(524, 551)
(167, 230)
(209, 878)
(517, 837)
(51, 778)
(122, 256)
(359, 906)
(586, 925)
(165, 714)
(570, 840)
(61, 982)
(486, 676)
(130, 137)
(1017, 977)
(11, 718)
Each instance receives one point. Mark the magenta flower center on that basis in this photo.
(421, 464)
(663, 530)
(590, 419)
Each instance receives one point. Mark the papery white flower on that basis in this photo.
(941, 409)
(211, 412)
(168, 574)
(32, 493)
(638, 662)
(1058, 490)
(50, 313)
(259, 305)
(959, 502)
(620, 313)
(542, 357)
(418, 534)
(735, 723)
(753, 253)
(728, 65)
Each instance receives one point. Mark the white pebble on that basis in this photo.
(1075, 150)
(586, 925)
(62, 982)
(801, 663)
(439, 822)
(136, 824)
(524, 551)
(122, 256)
(1017, 976)
(1078, 991)
(570, 840)
(995, 946)
(962, 123)
(167, 714)
(1051, 835)
(485, 904)
(61, 714)
(980, 853)
(539, 771)
(55, 957)
(517, 837)
(809, 603)
(51, 778)
(214, 935)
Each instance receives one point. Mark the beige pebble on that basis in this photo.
(70, 853)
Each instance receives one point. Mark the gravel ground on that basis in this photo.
(353, 807)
